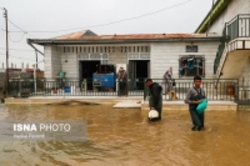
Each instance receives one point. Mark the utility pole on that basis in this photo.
(5, 15)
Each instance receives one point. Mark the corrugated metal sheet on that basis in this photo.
(81, 36)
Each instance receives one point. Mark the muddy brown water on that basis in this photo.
(123, 137)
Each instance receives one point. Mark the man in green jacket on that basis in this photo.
(155, 99)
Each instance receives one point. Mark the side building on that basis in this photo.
(231, 20)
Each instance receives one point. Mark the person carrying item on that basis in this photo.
(166, 81)
(194, 97)
(155, 98)
(122, 79)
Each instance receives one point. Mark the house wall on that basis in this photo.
(245, 75)
(162, 56)
(52, 65)
(234, 8)
(70, 64)
(167, 54)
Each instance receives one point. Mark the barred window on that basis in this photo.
(191, 66)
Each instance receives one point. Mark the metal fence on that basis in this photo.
(227, 89)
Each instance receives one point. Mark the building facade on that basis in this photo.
(231, 20)
(143, 55)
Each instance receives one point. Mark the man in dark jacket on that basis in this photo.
(193, 98)
(155, 99)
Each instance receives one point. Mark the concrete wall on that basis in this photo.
(234, 8)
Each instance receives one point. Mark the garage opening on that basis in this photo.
(138, 72)
(87, 68)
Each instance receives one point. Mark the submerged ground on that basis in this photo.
(124, 137)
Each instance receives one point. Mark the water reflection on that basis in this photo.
(124, 137)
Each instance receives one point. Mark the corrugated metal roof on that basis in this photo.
(76, 35)
(81, 36)
(88, 37)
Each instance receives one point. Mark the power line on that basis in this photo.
(110, 23)
(24, 32)
(2, 48)
(18, 57)
(16, 41)
(17, 26)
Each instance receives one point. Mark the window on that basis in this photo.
(191, 48)
(191, 65)
(142, 48)
(129, 49)
(64, 49)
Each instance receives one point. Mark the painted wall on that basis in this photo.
(162, 56)
(167, 54)
(52, 64)
(234, 8)
(69, 64)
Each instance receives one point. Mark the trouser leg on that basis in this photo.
(202, 117)
(195, 118)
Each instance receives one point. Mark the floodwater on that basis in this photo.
(123, 137)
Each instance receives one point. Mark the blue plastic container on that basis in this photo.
(67, 89)
(104, 80)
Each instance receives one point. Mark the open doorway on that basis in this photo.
(138, 71)
(87, 68)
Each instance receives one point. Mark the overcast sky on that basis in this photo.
(50, 18)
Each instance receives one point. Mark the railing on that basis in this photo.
(220, 50)
(226, 90)
(239, 26)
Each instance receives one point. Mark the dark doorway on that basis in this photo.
(138, 71)
(142, 69)
(87, 68)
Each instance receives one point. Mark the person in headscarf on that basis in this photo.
(122, 78)
(166, 81)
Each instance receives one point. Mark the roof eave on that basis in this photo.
(63, 42)
(212, 15)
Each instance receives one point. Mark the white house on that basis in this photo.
(144, 55)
